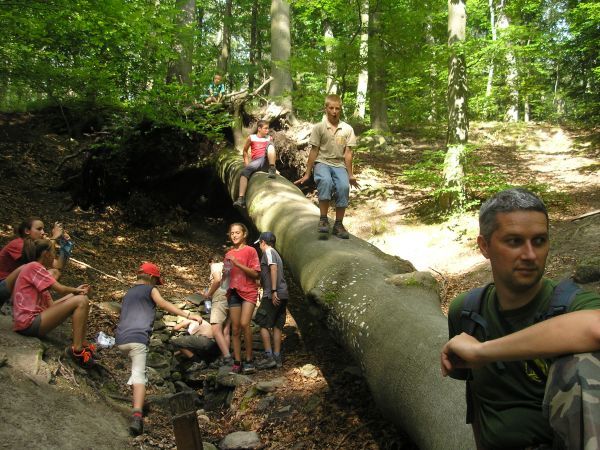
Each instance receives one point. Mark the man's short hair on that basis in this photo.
(333, 98)
(509, 200)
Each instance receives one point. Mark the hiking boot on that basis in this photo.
(240, 202)
(136, 426)
(271, 172)
(236, 368)
(248, 367)
(278, 361)
(340, 231)
(323, 226)
(84, 358)
(266, 363)
(222, 361)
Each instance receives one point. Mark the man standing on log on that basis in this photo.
(331, 156)
(525, 340)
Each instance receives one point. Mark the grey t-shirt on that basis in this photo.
(270, 257)
(137, 316)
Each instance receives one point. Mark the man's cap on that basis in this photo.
(266, 236)
(151, 269)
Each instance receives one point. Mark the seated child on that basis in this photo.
(200, 338)
(36, 314)
(262, 150)
(271, 312)
(216, 90)
(134, 330)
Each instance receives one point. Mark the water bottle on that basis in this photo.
(207, 302)
(227, 266)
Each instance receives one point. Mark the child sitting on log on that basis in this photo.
(261, 151)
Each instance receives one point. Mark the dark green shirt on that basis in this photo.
(510, 397)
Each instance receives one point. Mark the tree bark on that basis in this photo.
(377, 72)
(332, 85)
(393, 329)
(363, 76)
(512, 112)
(253, 45)
(458, 120)
(281, 48)
(223, 62)
(181, 70)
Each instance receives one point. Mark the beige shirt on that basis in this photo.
(332, 142)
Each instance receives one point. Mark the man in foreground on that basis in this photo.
(521, 391)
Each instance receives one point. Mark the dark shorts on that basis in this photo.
(234, 300)
(32, 330)
(255, 165)
(269, 315)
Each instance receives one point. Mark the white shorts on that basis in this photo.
(137, 353)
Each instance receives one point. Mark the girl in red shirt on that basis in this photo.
(243, 266)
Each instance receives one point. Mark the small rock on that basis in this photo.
(182, 387)
(157, 361)
(240, 440)
(586, 273)
(264, 403)
(309, 371)
(113, 307)
(208, 446)
(197, 366)
(196, 299)
(270, 386)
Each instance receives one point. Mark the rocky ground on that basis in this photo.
(318, 399)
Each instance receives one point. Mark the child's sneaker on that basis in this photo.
(266, 363)
(236, 368)
(248, 368)
(84, 358)
(240, 202)
(271, 172)
(278, 361)
(136, 426)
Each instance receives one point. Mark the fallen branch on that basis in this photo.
(67, 158)
(587, 214)
(87, 266)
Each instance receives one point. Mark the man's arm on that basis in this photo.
(273, 287)
(575, 332)
(312, 156)
(348, 163)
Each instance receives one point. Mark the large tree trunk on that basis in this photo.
(363, 76)
(181, 70)
(512, 111)
(281, 48)
(332, 85)
(391, 324)
(377, 73)
(458, 120)
(223, 62)
(254, 44)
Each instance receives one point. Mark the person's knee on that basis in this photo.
(236, 329)
(81, 301)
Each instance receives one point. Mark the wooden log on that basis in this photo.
(394, 331)
(185, 423)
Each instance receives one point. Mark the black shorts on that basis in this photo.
(32, 330)
(269, 315)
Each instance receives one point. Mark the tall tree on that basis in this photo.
(254, 45)
(503, 24)
(181, 69)
(363, 76)
(332, 85)
(281, 48)
(223, 62)
(377, 69)
(458, 120)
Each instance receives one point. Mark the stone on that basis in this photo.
(309, 371)
(180, 386)
(225, 378)
(311, 404)
(587, 271)
(157, 361)
(158, 325)
(110, 307)
(264, 403)
(197, 366)
(196, 299)
(240, 440)
(270, 386)
(23, 353)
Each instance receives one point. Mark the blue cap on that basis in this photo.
(266, 236)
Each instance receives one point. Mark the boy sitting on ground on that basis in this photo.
(262, 151)
(199, 338)
(134, 330)
(271, 312)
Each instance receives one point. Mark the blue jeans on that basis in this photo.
(330, 179)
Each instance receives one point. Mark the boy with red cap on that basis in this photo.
(134, 330)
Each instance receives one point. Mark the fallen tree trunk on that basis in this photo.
(391, 324)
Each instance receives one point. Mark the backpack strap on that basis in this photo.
(470, 316)
(561, 300)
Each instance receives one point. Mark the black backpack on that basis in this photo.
(471, 318)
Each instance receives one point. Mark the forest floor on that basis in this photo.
(333, 409)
